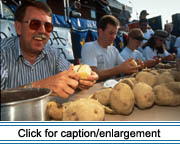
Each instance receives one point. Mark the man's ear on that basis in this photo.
(17, 25)
(100, 31)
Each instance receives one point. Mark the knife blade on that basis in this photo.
(79, 67)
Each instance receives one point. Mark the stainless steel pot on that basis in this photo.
(24, 104)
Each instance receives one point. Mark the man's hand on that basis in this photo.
(85, 84)
(63, 84)
(141, 63)
(127, 68)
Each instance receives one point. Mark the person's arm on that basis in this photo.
(62, 84)
(151, 63)
(63, 65)
(170, 57)
(125, 67)
(166, 56)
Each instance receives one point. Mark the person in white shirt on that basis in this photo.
(155, 47)
(135, 38)
(102, 57)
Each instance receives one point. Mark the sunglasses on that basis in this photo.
(35, 24)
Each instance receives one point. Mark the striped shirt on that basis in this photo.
(17, 71)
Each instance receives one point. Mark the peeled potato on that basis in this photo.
(84, 70)
(133, 63)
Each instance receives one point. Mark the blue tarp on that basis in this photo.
(83, 30)
(79, 38)
(77, 23)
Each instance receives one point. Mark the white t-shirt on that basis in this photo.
(148, 34)
(149, 53)
(177, 43)
(128, 53)
(103, 58)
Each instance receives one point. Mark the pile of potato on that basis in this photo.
(149, 87)
(146, 88)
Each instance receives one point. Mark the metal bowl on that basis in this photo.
(24, 104)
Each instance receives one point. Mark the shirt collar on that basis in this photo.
(102, 49)
(129, 50)
(19, 53)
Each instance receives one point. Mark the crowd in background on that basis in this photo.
(170, 43)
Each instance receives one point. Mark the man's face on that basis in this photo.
(159, 42)
(108, 35)
(168, 29)
(33, 41)
(135, 44)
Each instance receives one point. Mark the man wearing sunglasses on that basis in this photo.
(27, 60)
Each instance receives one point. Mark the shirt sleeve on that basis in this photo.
(88, 55)
(166, 53)
(62, 63)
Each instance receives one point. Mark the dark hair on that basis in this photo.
(152, 44)
(21, 10)
(108, 19)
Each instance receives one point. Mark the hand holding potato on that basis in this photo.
(87, 77)
(128, 68)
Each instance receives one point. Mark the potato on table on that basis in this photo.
(102, 95)
(147, 78)
(54, 111)
(176, 75)
(165, 77)
(129, 81)
(84, 110)
(167, 94)
(122, 99)
(144, 96)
